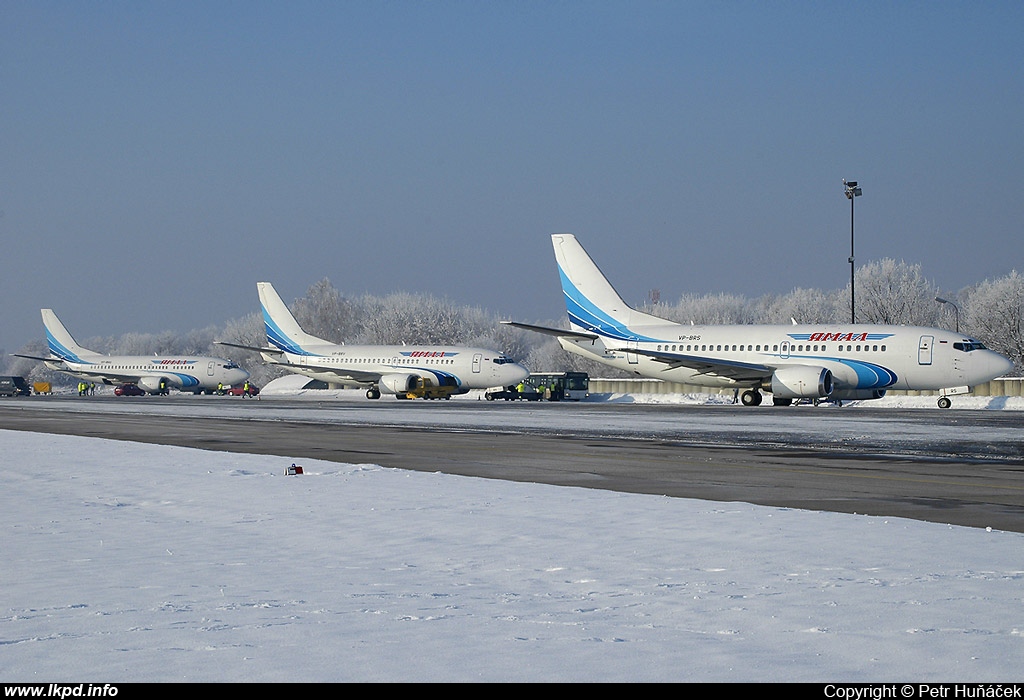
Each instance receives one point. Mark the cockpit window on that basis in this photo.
(968, 347)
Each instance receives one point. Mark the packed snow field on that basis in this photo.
(131, 562)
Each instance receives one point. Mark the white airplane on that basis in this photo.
(429, 371)
(828, 361)
(154, 375)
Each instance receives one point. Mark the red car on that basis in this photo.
(241, 390)
(128, 390)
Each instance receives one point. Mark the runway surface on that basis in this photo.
(963, 467)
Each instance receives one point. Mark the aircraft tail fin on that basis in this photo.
(61, 343)
(592, 302)
(283, 331)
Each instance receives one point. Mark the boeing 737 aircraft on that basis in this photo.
(819, 362)
(430, 371)
(155, 375)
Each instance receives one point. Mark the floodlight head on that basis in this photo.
(941, 300)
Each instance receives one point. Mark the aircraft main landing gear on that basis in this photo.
(750, 397)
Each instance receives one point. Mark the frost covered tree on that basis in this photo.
(247, 330)
(894, 293)
(325, 313)
(199, 342)
(707, 309)
(406, 318)
(514, 342)
(800, 305)
(993, 313)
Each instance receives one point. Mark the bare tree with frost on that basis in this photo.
(894, 293)
(994, 313)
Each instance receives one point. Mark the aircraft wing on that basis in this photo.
(557, 332)
(344, 374)
(738, 371)
(107, 375)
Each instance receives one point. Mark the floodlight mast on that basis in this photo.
(956, 310)
(852, 190)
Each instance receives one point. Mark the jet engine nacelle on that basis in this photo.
(154, 385)
(801, 382)
(398, 383)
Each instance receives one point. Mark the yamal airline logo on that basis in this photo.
(428, 353)
(822, 337)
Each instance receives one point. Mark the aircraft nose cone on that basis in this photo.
(990, 366)
(1001, 365)
(514, 374)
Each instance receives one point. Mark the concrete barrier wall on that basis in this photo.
(1004, 386)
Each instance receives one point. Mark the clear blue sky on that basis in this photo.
(158, 159)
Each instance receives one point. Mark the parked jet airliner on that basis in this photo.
(155, 375)
(431, 371)
(827, 361)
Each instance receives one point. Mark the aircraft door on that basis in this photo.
(209, 369)
(632, 356)
(476, 363)
(784, 352)
(924, 350)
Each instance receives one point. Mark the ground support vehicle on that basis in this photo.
(560, 386)
(426, 390)
(14, 386)
(511, 393)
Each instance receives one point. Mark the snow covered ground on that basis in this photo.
(130, 562)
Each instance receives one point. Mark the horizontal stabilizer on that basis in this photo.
(39, 359)
(557, 332)
(268, 350)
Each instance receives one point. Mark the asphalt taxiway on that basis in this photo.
(961, 467)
